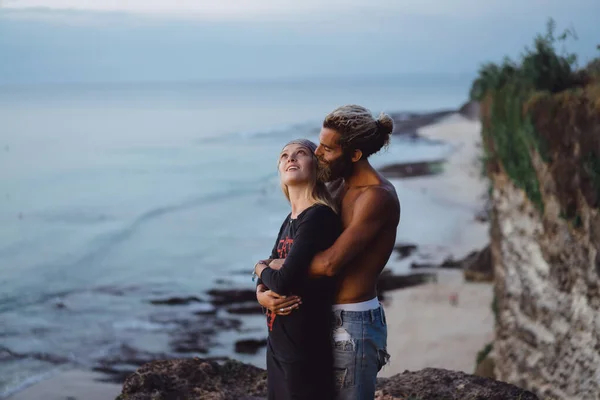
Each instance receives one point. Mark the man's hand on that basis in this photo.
(276, 264)
(280, 305)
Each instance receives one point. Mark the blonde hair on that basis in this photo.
(359, 130)
(318, 192)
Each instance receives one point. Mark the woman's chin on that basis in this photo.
(296, 181)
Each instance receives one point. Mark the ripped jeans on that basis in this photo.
(359, 352)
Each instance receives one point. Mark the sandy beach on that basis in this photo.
(425, 329)
(71, 385)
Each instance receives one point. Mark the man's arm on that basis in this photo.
(372, 211)
(318, 225)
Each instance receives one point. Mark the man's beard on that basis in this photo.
(330, 171)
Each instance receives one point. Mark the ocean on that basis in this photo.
(113, 195)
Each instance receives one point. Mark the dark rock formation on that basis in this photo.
(196, 379)
(407, 124)
(245, 309)
(451, 263)
(405, 249)
(478, 267)
(388, 281)
(249, 346)
(421, 265)
(176, 301)
(436, 384)
(229, 296)
(470, 110)
(190, 340)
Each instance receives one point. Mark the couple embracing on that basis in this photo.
(327, 329)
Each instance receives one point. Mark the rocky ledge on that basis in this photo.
(195, 379)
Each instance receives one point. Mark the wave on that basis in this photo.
(103, 245)
(9, 390)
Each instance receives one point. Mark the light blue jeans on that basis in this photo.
(359, 352)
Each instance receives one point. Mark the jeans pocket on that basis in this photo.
(344, 363)
(382, 358)
(383, 319)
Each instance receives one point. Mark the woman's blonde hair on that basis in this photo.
(318, 192)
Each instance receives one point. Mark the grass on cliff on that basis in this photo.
(542, 103)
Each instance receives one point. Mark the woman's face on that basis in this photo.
(296, 165)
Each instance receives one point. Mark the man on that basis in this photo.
(370, 213)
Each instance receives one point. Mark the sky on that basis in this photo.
(74, 41)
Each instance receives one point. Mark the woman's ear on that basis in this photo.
(357, 155)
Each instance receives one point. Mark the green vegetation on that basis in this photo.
(543, 104)
(483, 353)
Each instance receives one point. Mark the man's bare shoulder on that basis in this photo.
(382, 197)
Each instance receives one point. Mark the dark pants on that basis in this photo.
(310, 379)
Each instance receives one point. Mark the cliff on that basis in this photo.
(541, 133)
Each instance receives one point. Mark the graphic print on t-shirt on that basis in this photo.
(283, 248)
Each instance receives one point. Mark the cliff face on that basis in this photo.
(543, 160)
(548, 298)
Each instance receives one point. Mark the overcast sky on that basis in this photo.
(168, 40)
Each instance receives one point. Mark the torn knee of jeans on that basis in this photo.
(342, 340)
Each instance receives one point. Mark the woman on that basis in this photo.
(299, 353)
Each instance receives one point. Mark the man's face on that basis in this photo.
(333, 163)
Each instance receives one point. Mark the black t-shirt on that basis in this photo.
(306, 331)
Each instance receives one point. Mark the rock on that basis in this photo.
(421, 265)
(470, 110)
(485, 362)
(231, 296)
(186, 333)
(176, 301)
(249, 346)
(122, 362)
(485, 368)
(478, 267)
(405, 249)
(413, 169)
(199, 340)
(195, 379)
(388, 281)
(203, 309)
(436, 384)
(245, 309)
(482, 216)
(407, 124)
(451, 263)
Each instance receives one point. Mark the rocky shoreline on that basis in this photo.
(196, 323)
(195, 379)
(224, 310)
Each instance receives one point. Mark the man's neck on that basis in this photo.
(363, 174)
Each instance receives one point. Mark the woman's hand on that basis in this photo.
(276, 264)
(280, 305)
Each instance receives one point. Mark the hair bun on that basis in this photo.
(385, 124)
